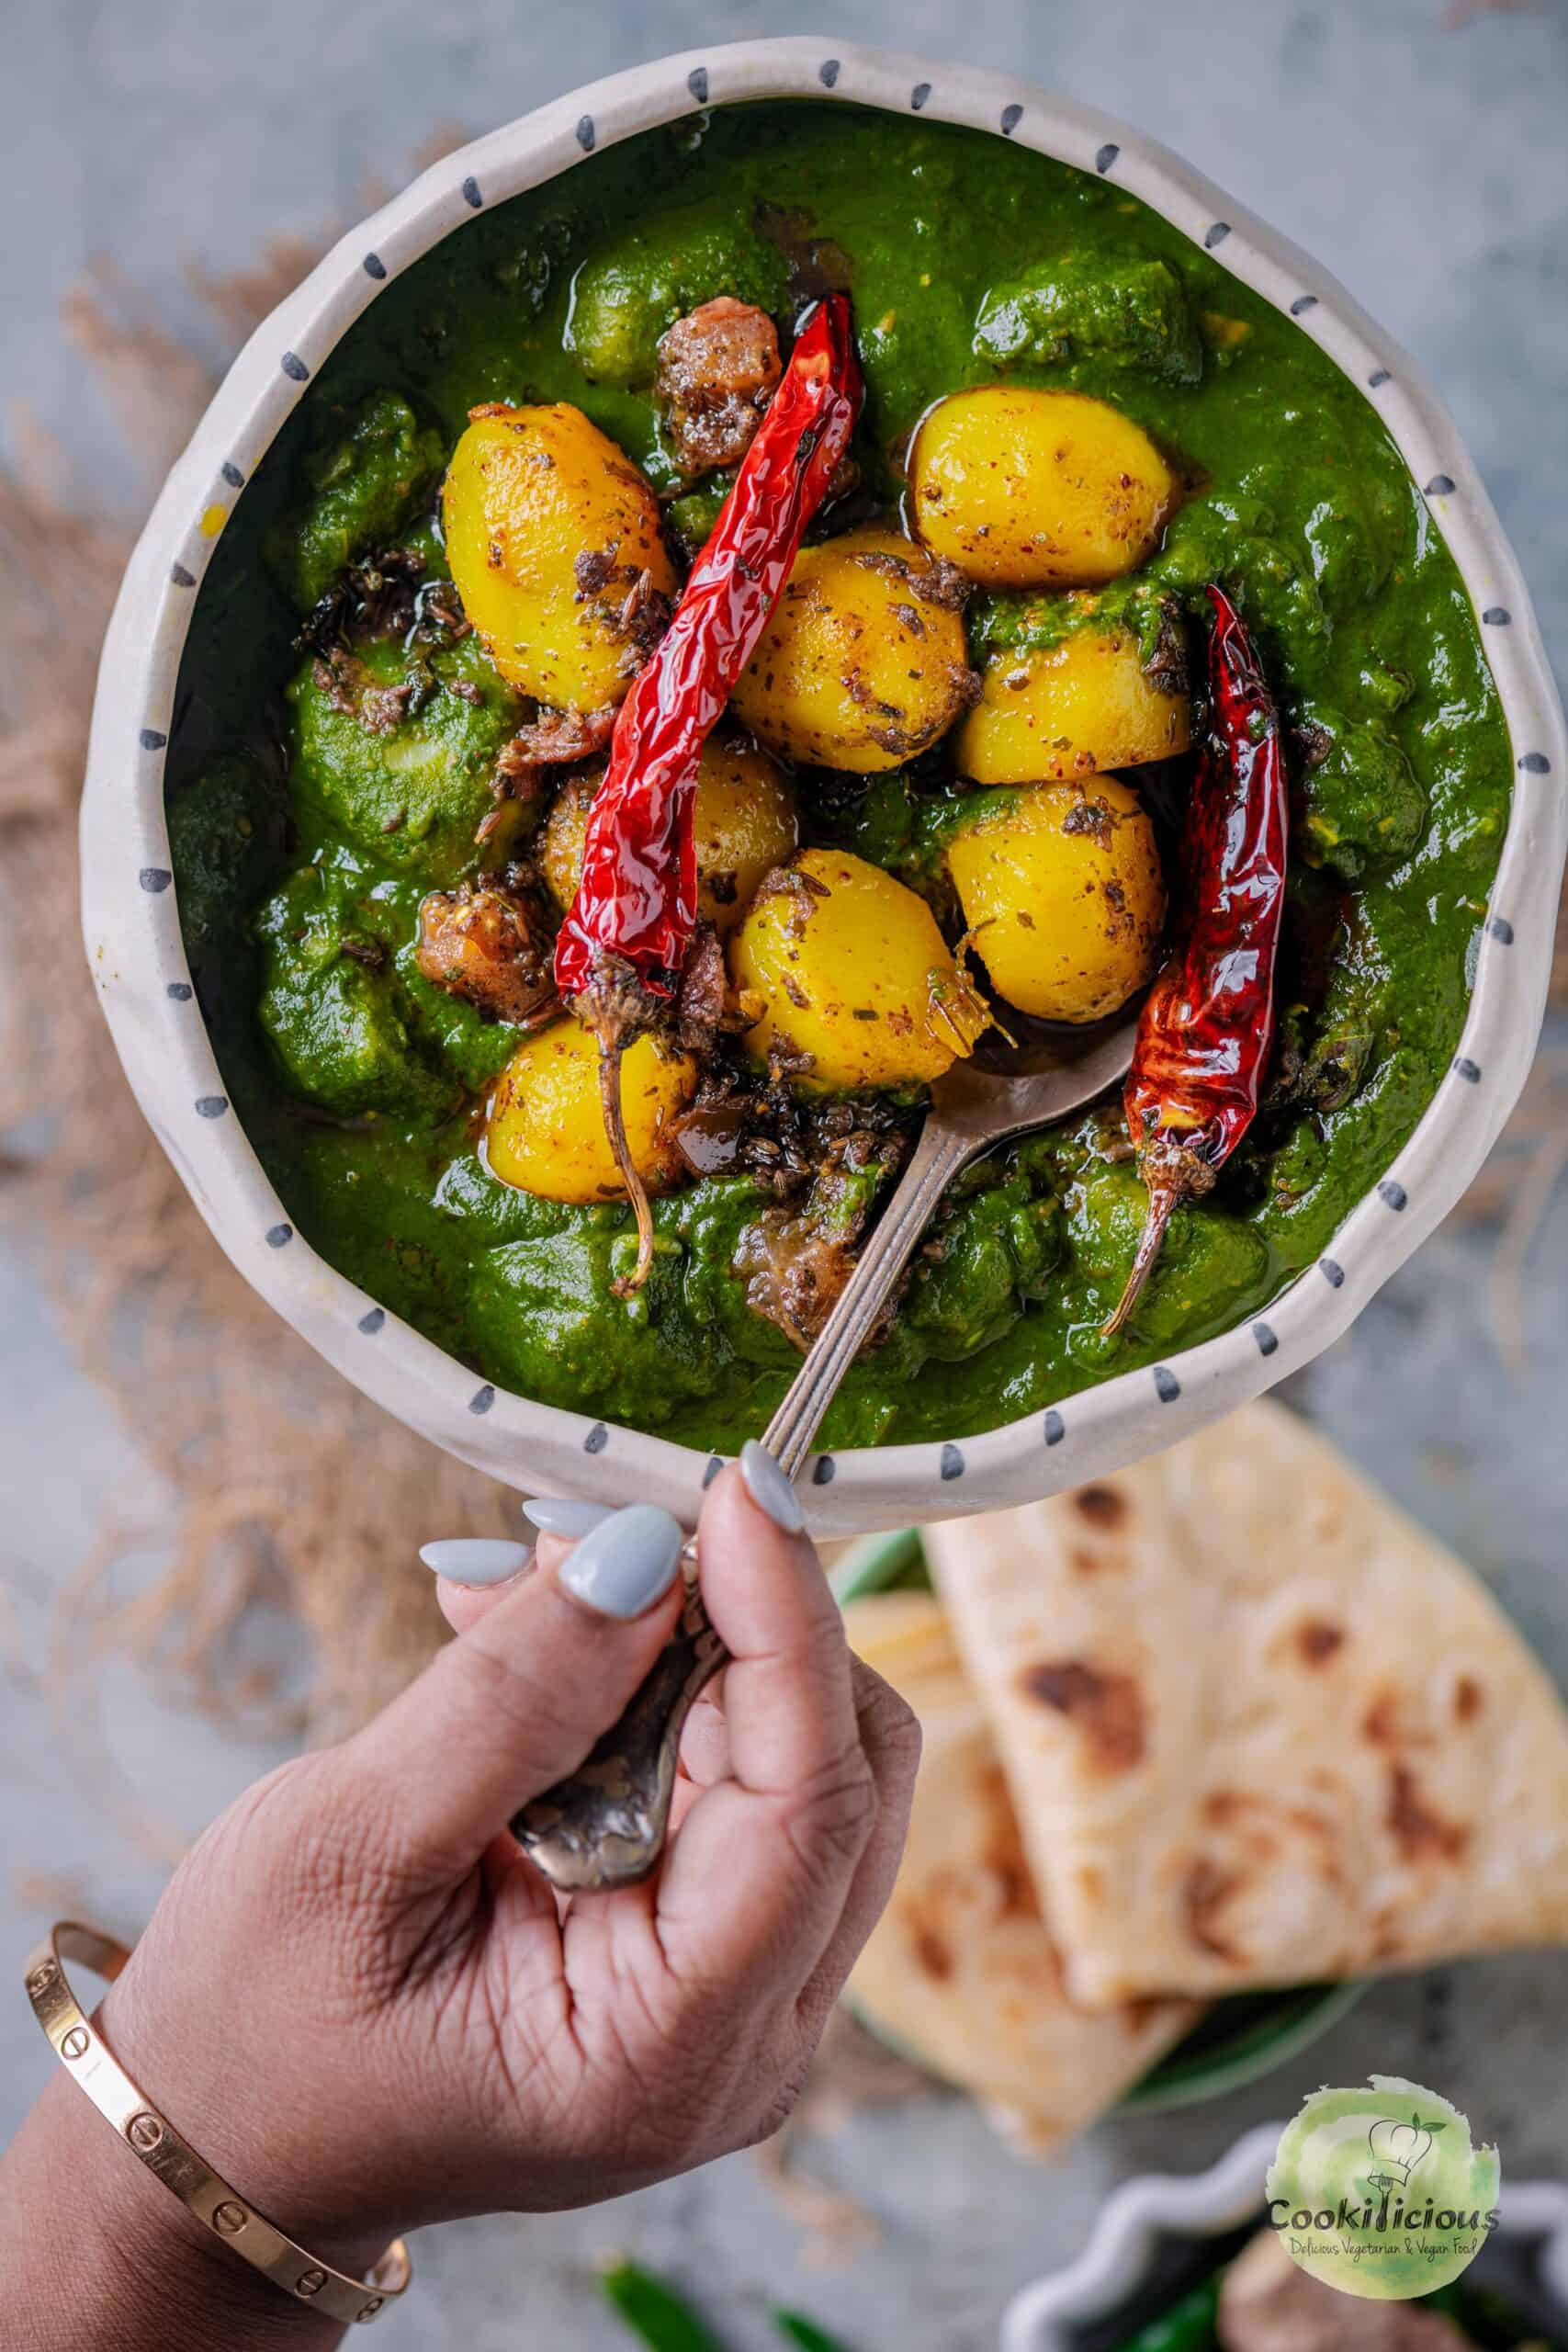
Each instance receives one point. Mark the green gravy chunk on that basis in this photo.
(304, 842)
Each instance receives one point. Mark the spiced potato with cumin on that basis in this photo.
(1062, 890)
(1079, 707)
(545, 1126)
(853, 981)
(554, 541)
(864, 663)
(1022, 488)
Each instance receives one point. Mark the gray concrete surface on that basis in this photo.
(1425, 166)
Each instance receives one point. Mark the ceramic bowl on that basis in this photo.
(1149, 2243)
(132, 923)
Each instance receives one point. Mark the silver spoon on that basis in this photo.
(604, 1824)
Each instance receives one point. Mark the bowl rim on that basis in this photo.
(1041, 2316)
(131, 925)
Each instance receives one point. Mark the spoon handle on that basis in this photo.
(935, 1162)
(604, 1824)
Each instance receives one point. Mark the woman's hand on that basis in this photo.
(362, 2005)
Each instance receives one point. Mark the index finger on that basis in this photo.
(759, 1873)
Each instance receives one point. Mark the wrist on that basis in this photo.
(97, 2252)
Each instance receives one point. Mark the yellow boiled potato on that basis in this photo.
(549, 529)
(1025, 489)
(743, 822)
(850, 968)
(863, 662)
(1073, 709)
(546, 1126)
(1063, 893)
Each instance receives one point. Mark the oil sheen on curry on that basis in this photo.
(943, 799)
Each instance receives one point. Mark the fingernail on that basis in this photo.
(622, 1565)
(476, 1560)
(555, 1515)
(770, 1489)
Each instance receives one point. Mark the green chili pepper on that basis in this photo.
(653, 2313)
(1187, 2326)
(806, 2333)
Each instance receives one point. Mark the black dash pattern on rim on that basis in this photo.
(1440, 486)
(1497, 617)
(1393, 1195)
(154, 879)
(294, 367)
(179, 991)
(1378, 378)
(1167, 1388)
(231, 474)
(211, 1106)
(1467, 1069)
(586, 134)
(697, 83)
(1299, 309)
(598, 1438)
(374, 267)
(1012, 117)
(1267, 1339)
(826, 1471)
(181, 577)
(1055, 1428)
(473, 195)
(919, 95)
(1215, 234)
(715, 1464)
(1499, 928)
(1535, 763)
(371, 1323)
(951, 1461)
(1106, 157)
(151, 739)
(482, 1399)
(828, 73)
(1332, 1272)
(278, 1237)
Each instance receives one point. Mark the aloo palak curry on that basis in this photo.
(946, 796)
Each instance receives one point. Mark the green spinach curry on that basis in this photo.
(379, 777)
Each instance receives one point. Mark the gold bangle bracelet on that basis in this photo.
(151, 2135)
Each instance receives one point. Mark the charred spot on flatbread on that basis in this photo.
(1102, 1506)
(1317, 1640)
(1417, 1828)
(1205, 1890)
(1107, 1707)
(1468, 1699)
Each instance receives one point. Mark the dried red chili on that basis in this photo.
(1207, 1026)
(620, 950)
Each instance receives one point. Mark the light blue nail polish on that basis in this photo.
(622, 1566)
(555, 1515)
(476, 1560)
(770, 1489)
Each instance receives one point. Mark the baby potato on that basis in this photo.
(544, 1132)
(549, 529)
(1026, 489)
(1063, 892)
(863, 662)
(1071, 709)
(743, 823)
(852, 969)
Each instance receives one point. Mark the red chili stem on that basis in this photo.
(1207, 1025)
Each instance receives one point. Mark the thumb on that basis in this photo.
(516, 1702)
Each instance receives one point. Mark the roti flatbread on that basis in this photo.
(960, 1970)
(1258, 1726)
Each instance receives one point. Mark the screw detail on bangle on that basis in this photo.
(153, 2138)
